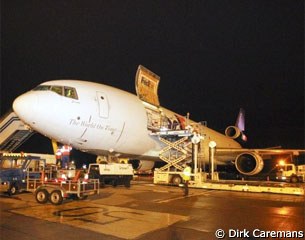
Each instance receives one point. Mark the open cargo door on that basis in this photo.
(147, 86)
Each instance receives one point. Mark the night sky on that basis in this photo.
(213, 57)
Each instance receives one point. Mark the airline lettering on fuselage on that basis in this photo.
(92, 125)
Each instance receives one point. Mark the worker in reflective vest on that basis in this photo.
(58, 157)
(186, 177)
(65, 151)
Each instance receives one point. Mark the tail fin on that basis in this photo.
(241, 123)
(237, 131)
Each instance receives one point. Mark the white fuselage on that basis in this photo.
(98, 119)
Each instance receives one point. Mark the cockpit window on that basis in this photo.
(57, 89)
(69, 92)
(42, 88)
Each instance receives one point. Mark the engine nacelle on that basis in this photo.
(233, 132)
(101, 160)
(249, 163)
(141, 165)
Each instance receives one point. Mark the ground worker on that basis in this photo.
(58, 155)
(65, 159)
(186, 178)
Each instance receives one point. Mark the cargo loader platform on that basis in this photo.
(178, 151)
(251, 186)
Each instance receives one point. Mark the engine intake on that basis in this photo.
(249, 163)
(233, 132)
(141, 165)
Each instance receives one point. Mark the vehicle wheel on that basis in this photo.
(13, 190)
(42, 196)
(114, 182)
(127, 183)
(56, 197)
(94, 175)
(102, 183)
(176, 180)
(294, 179)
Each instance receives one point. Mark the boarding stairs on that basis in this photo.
(13, 132)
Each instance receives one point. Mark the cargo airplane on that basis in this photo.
(104, 120)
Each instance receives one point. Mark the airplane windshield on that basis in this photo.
(42, 88)
(65, 91)
(57, 89)
(70, 92)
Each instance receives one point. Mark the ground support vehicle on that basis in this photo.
(16, 169)
(289, 172)
(111, 173)
(56, 191)
(176, 152)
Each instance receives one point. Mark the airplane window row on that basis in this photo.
(69, 92)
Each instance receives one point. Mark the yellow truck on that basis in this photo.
(290, 172)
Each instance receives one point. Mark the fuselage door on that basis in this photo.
(102, 104)
(147, 84)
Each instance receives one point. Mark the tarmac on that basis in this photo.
(148, 211)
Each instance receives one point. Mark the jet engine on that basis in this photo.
(141, 165)
(235, 133)
(249, 163)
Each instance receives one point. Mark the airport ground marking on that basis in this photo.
(183, 197)
(104, 219)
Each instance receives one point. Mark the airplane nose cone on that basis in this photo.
(24, 106)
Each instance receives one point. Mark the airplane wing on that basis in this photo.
(260, 151)
(250, 161)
